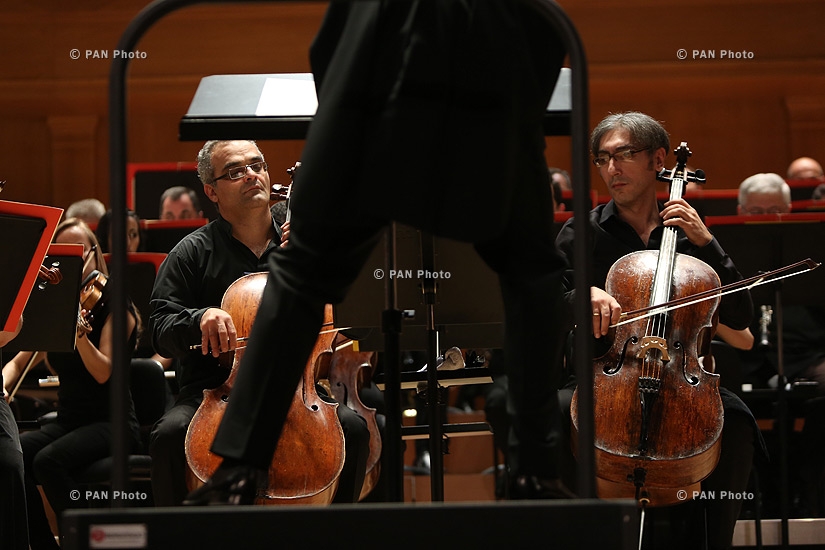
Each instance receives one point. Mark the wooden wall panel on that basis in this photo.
(739, 116)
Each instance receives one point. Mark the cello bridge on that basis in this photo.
(653, 342)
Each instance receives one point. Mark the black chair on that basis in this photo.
(149, 394)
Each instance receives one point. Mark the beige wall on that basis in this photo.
(738, 116)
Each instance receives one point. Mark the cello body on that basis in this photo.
(349, 371)
(310, 453)
(658, 413)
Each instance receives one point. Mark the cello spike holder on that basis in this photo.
(642, 498)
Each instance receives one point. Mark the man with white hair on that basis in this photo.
(764, 194)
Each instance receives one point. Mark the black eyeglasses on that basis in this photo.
(619, 156)
(237, 172)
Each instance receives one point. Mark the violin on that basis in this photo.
(93, 297)
(310, 453)
(658, 413)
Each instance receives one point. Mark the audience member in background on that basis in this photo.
(764, 194)
(88, 210)
(804, 168)
(557, 175)
(560, 182)
(819, 192)
(558, 202)
(180, 203)
(133, 236)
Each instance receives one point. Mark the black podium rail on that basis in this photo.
(530, 524)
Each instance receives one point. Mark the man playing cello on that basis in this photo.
(630, 149)
(185, 309)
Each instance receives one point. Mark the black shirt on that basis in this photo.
(81, 399)
(613, 238)
(193, 278)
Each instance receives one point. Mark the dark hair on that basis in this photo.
(177, 192)
(645, 132)
(104, 230)
(205, 168)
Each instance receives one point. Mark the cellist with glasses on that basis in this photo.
(629, 150)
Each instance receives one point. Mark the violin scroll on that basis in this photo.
(279, 192)
(49, 275)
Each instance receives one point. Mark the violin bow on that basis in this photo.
(23, 374)
(745, 284)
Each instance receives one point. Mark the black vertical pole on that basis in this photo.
(434, 411)
(579, 122)
(392, 457)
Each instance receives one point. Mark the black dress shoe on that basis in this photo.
(237, 485)
(535, 488)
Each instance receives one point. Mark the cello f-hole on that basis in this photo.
(620, 362)
(691, 379)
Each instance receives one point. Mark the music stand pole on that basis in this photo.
(782, 417)
(393, 461)
(433, 390)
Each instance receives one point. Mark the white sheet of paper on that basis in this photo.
(287, 97)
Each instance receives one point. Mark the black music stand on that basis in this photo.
(27, 230)
(451, 299)
(761, 247)
(53, 306)
(18, 254)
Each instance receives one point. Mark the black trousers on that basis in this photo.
(51, 455)
(13, 523)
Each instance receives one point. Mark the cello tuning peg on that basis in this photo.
(698, 176)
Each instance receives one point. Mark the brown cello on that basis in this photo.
(310, 453)
(349, 372)
(658, 413)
